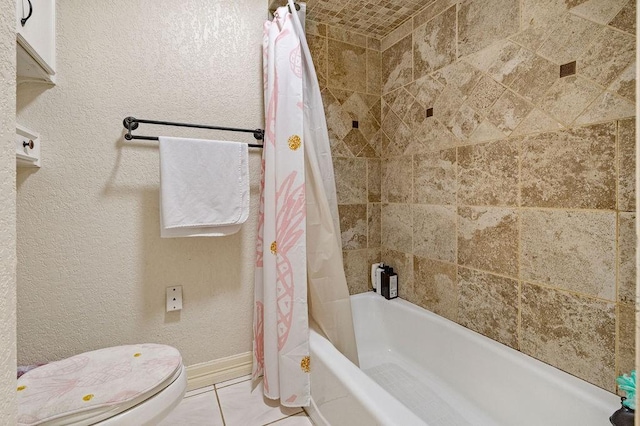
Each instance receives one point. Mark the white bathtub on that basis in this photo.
(417, 368)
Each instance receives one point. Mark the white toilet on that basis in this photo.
(122, 385)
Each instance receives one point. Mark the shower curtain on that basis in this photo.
(299, 272)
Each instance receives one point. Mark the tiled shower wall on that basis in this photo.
(507, 197)
(348, 66)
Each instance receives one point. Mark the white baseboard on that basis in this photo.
(218, 370)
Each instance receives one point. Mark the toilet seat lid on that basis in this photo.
(91, 384)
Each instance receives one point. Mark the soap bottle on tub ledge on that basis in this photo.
(389, 283)
(384, 281)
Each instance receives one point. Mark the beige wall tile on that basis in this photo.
(397, 180)
(627, 242)
(374, 175)
(459, 77)
(464, 122)
(339, 121)
(374, 225)
(390, 126)
(509, 111)
(397, 227)
(374, 71)
(570, 169)
(429, 131)
(512, 61)
(402, 102)
(351, 180)
(535, 32)
(434, 232)
(356, 143)
(574, 333)
(401, 137)
(598, 10)
(318, 49)
(625, 84)
(434, 44)
(625, 20)
(488, 174)
(568, 97)
(315, 28)
(396, 35)
(425, 90)
(486, 58)
(484, 95)
(481, 22)
(373, 43)
(536, 122)
(353, 226)
(536, 12)
(434, 176)
(402, 264)
(571, 36)
(627, 165)
(397, 65)
(447, 105)
(435, 287)
(609, 54)
(626, 359)
(357, 270)
(345, 36)
(571, 250)
(429, 12)
(488, 304)
(488, 239)
(607, 107)
(486, 131)
(347, 64)
(533, 80)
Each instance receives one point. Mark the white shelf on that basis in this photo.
(26, 156)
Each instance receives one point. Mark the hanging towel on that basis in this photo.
(204, 187)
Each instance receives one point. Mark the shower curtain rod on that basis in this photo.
(131, 123)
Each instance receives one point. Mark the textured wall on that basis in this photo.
(348, 67)
(92, 267)
(511, 210)
(7, 213)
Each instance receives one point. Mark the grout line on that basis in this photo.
(217, 385)
(219, 406)
(515, 207)
(519, 249)
(616, 342)
(199, 391)
(275, 422)
(457, 40)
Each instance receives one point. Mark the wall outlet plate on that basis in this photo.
(174, 298)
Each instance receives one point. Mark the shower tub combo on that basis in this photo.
(417, 368)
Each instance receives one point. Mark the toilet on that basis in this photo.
(122, 385)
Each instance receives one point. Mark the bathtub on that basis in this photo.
(417, 368)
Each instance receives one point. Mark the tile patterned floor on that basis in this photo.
(233, 403)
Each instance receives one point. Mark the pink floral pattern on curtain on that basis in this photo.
(281, 325)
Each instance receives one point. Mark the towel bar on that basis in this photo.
(131, 123)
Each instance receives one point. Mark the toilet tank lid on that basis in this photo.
(92, 383)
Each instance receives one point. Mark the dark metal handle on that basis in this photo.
(24, 20)
(29, 144)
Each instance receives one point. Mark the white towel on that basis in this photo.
(204, 187)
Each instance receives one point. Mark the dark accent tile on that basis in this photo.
(568, 69)
(355, 124)
(429, 112)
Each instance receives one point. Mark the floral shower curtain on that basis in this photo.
(299, 270)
